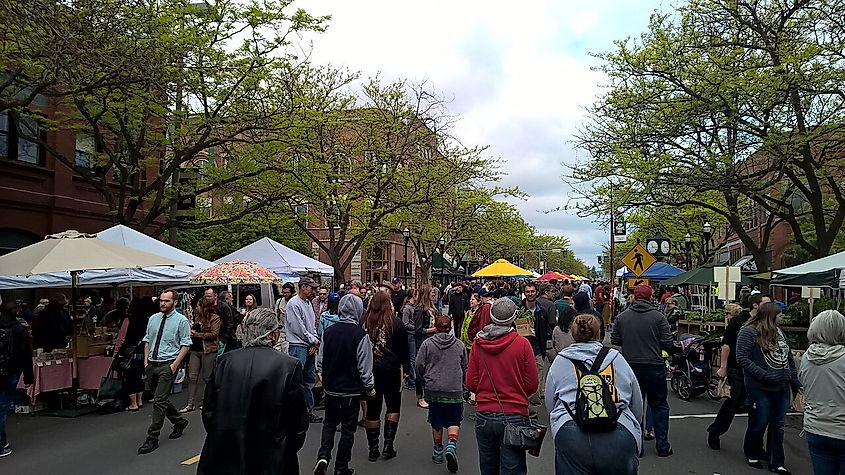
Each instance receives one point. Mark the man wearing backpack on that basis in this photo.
(643, 333)
(594, 400)
(15, 358)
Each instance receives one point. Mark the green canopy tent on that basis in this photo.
(701, 276)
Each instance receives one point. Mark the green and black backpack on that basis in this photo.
(595, 410)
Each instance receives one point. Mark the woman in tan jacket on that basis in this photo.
(205, 336)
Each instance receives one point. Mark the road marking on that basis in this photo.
(191, 460)
(712, 416)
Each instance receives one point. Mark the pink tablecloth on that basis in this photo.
(50, 376)
(91, 369)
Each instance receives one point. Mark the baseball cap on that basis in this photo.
(334, 298)
(308, 281)
(643, 292)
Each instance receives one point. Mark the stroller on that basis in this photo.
(690, 367)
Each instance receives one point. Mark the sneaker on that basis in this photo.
(754, 463)
(665, 454)
(321, 467)
(315, 419)
(347, 471)
(437, 454)
(6, 450)
(178, 429)
(648, 435)
(150, 445)
(452, 458)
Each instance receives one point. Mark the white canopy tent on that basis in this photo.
(280, 259)
(127, 237)
(825, 272)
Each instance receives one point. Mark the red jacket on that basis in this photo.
(480, 320)
(511, 361)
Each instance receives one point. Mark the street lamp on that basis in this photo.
(406, 235)
(688, 248)
(442, 244)
(708, 233)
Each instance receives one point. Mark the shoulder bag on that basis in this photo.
(528, 437)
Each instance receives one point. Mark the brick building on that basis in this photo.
(40, 195)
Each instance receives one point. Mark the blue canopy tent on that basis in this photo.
(280, 259)
(129, 237)
(658, 272)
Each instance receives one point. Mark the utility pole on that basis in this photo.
(612, 252)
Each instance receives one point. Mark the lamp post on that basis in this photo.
(688, 248)
(441, 244)
(708, 233)
(406, 235)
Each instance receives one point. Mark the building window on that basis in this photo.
(377, 263)
(736, 254)
(13, 142)
(85, 150)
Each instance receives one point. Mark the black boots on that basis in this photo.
(372, 442)
(390, 430)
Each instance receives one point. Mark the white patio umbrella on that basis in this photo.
(75, 252)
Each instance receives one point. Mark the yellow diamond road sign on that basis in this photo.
(638, 260)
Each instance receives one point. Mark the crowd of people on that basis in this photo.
(602, 384)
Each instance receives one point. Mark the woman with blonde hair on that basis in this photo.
(823, 375)
(766, 359)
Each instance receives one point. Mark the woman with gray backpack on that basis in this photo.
(593, 400)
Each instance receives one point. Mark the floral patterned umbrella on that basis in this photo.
(236, 272)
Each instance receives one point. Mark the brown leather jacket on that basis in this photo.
(209, 332)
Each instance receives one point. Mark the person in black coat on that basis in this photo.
(52, 326)
(254, 408)
(458, 304)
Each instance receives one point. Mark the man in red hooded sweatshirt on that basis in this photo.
(502, 373)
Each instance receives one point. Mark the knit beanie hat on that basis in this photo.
(503, 312)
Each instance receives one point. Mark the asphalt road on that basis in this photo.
(107, 444)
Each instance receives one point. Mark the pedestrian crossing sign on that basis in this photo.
(638, 260)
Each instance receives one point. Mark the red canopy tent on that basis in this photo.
(552, 275)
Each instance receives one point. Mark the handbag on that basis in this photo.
(110, 394)
(129, 359)
(528, 437)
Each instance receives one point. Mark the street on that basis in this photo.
(107, 444)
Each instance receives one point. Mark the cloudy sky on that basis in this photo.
(517, 73)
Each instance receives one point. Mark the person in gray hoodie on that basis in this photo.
(822, 373)
(643, 333)
(344, 383)
(441, 363)
(625, 442)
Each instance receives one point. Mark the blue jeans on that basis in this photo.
(7, 397)
(652, 381)
(494, 457)
(412, 352)
(309, 371)
(768, 410)
(582, 453)
(827, 454)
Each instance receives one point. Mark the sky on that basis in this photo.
(517, 74)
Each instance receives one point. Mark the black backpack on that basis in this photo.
(7, 350)
(595, 410)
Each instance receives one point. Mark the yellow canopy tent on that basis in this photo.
(502, 268)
